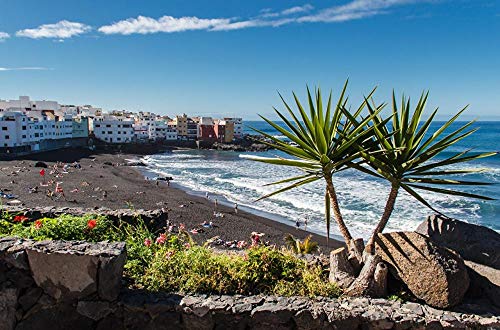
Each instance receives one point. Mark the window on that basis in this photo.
(24, 136)
(108, 125)
(119, 132)
(109, 132)
(7, 137)
(24, 128)
(37, 135)
(118, 139)
(97, 125)
(4, 128)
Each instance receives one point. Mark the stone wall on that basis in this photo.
(77, 285)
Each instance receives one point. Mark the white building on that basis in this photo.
(14, 129)
(238, 126)
(24, 103)
(141, 131)
(160, 130)
(113, 129)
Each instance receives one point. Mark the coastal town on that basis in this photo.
(33, 126)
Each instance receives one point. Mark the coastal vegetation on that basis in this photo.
(174, 262)
(398, 148)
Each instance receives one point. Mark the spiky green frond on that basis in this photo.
(406, 157)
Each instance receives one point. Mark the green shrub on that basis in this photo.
(172, 262)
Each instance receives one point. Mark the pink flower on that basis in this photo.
(147, 242)
(91, 224)
(161, 239)
(170, 228)
(241, 244)
(169, 254)
(38, 224)
(194, 231)
(187, 245)
(182, 227)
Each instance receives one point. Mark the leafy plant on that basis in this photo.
(173, 262)
(301, 247)
(405, 158)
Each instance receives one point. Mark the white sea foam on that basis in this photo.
(362, 198)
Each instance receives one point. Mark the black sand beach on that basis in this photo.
(124, 184)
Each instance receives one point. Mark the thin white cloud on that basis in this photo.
(26, 68)
(168, 24)
(252, 23)
(355, 9)
(268, 13)
(352, 10)
(4, 36)
(60, 30)
(297, 9)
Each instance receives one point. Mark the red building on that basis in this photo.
(207, 132)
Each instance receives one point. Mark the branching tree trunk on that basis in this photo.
(389, 207)
(336, 209)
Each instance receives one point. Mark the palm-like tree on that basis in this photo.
(325, 141)
(404, 154)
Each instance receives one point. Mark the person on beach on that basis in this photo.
(297, 224)
(236, 208)
(206, 195)
(305, 223)
(59, 190)
(215, 203)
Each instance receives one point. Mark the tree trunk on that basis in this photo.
(380, 280)
(341, 271)
(389, 207)
(356, 247)
(336, 209)
(364, 285)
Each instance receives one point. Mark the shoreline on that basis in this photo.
(222, 200)
(127, 184)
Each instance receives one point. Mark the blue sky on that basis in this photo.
(230, 57)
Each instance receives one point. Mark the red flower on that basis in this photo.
(38, 224)
(91, 224)
(20, 218)
(147, 242)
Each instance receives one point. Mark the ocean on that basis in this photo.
(238, 180)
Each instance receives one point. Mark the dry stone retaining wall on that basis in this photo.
(77, 285)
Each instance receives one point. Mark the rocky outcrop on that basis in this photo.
(478, 245)
(34, 296)
(484, 282)
(434, 274)
(475, 243)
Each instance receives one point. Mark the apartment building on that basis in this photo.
(238, 126)
(114, 129)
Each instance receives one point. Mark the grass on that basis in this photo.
(174, 263)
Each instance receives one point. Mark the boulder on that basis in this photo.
(75, 270)
(41, 164)
(64, 275)
(432, 273)
(484, 282)
(475, 243)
